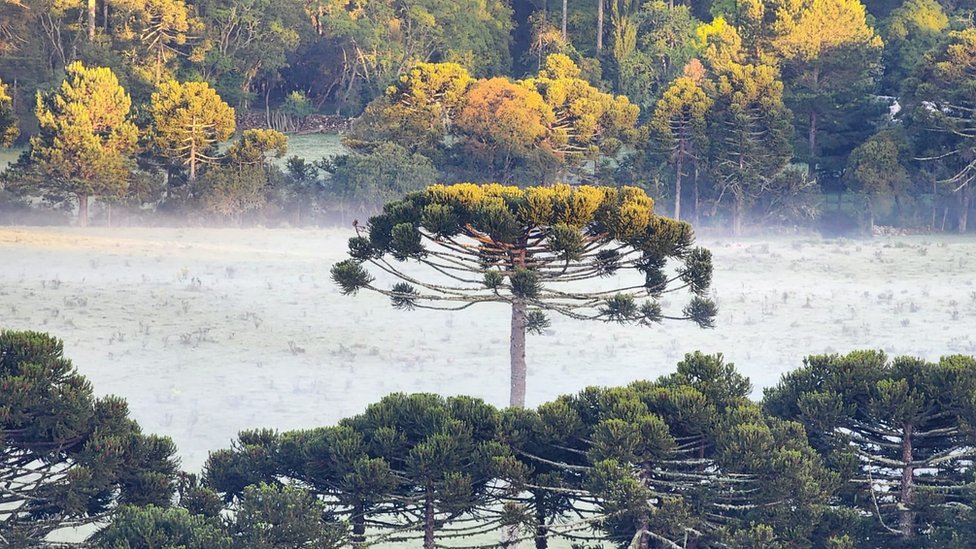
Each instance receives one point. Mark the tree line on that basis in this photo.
(761, 110)
(857, 450)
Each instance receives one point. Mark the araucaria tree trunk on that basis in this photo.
(429, 519)
(599, 26)
(518, 354)
(965, 199)
(906, 519)
(358, 538)
(91, 20)
(565, 17)
(82, 210)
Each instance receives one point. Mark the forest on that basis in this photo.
(822, 114)
(824, 460)
(554, 161)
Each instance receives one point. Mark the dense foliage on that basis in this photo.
(856, 450)
(729, 113)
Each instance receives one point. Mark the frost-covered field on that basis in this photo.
(207, 332)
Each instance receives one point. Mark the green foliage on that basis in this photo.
(663, 46)
(417, 111)
(271, 517)
(151, 526)
(751, 138)
(255, 146)
(875, 421)
(51, 422)
(387, 172)
(350, 276)
(909, 33)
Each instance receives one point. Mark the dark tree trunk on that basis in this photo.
(82, 210)
(643, 540)
(541, 528)
(812, 137)
(358, 519)
(517, 399)
(599, 26)
(906, 519)
(429, 519)
(695, 193)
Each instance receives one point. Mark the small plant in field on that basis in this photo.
(905, 322)
(295, 349)
(76, 301)
(195, 284)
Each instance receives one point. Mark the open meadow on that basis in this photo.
(206, 332)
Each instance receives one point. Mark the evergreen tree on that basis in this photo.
(154, 527)
(875, 169)
(750, 134)
(831, 64)
(86, 136)
(896, 431)
(509, 245)
(67, 458)
(678, 128)
(941, 102)
(188, 120)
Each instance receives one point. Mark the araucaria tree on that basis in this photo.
(67, 458)
(85, 136)
(188, 119)
(532, 248)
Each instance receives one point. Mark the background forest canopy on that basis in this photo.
(826, 113)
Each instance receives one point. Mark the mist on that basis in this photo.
(207, 332)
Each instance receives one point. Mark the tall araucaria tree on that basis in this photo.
(532, 248)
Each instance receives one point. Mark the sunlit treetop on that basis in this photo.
(8, 122)
(497, 243)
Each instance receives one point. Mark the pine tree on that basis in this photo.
(678, 128)
(508, 245)
(66, 457)
(86, 136)
(895, 430)
(188, 119)
(751, 134)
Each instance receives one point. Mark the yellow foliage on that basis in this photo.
(580, 206)
(627, 212)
